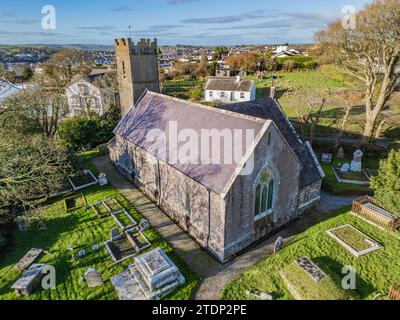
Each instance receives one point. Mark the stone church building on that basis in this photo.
(225, 206)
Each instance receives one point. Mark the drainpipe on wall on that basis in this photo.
(209, 219)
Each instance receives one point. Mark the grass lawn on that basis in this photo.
(376, 271)
(80, 229)
(308, 289)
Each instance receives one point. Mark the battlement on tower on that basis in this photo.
(143, 46)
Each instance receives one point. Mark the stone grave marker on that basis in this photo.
(114, 233)
(103, 181)
(41, 226)
(356, 164)
(311, 269)
(326, 158)
(340, 153)
(82, 253)
(29, 280)
(261, 296)
(278, 244)
(28, 259)
(144, 225)
(96, 247)
(22, 222)
(345, 168)
(93, 278)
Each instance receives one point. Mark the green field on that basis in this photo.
(79, 229)
(377, 271)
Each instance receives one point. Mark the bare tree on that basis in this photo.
(347, 100)
(370, 52)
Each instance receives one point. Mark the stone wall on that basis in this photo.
(241, 227)
(191, 205)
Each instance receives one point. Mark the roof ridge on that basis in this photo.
(213, 109)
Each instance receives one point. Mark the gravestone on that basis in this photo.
(311, 269)
(22, 222)
(28, 259)
(278, 244)
(82, 253)
(96, 247)
(261, 296)
(103, 179)
(345, 168)
(144, 225)
(340, 153)
(41, 226)
(326, 158)
(114, 233)
(356, 164)
(93, 278)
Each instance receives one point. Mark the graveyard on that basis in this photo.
(73, 242)
(278, 275)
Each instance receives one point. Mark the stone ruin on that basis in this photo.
(154, 275)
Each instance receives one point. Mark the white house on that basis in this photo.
(229, 89)
(84, 96)
(7, 89)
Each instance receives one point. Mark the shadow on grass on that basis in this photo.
(363, 288)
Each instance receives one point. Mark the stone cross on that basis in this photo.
(278, 244)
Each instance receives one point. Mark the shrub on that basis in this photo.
(387, 184)
(85, 133)
(2, 240)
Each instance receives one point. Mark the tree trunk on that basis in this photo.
(368, 131)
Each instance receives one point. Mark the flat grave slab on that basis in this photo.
(311, 269)
(29, 258)
(29, 280)
(127, 287)
(355, 241)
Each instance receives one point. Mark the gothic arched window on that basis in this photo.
(265, 195)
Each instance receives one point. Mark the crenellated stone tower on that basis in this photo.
(137, 67)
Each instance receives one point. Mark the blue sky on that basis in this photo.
(197, 22)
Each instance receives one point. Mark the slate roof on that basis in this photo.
(156, 111)
(229, 84)
(267, 108)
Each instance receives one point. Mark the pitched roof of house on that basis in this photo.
(267, 108)
(156, 111)
(229, 84)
